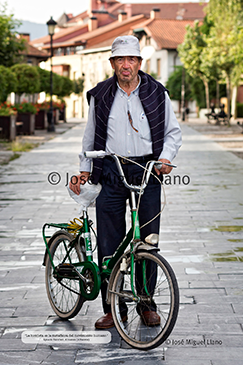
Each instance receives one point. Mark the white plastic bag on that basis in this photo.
(88, 194)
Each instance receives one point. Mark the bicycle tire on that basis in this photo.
(166, 296)
(65, 303)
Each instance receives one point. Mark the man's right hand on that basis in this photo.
(75, 182)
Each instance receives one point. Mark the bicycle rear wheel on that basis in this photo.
(164, 298)
(63, 292)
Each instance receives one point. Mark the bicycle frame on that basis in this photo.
(132, 237)
(107, 266)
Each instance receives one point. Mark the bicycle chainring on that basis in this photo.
(90, 289)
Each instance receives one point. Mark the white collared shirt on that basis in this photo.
(122, 138)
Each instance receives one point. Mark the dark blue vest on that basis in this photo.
(152, 96)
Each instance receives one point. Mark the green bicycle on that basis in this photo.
(72, 277)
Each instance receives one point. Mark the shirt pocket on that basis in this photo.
(144, 129)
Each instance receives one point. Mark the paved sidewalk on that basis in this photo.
(39, 137)
(201, 236)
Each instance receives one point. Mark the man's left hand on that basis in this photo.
(164, 169)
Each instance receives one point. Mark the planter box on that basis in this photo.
(27, 123)
(41, 120)
(8, 127)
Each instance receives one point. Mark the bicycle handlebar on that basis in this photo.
(96, 154)
(102, 154)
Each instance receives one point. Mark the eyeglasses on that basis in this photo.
(131, 122)
(121, 60)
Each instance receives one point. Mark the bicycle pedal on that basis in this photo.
(66, 270)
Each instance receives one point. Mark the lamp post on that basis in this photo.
(51, 29)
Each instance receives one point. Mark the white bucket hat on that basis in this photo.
(126, 45)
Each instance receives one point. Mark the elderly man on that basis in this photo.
(129, 114)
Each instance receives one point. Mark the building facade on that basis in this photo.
(82, 44)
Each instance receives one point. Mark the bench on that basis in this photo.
(220, 117)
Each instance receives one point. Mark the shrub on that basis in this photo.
(239, 110)
(25, 107)
(28, 79)
(7, 109)
(8, 83)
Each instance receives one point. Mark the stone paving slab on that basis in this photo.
(203, 356)
(15, 345)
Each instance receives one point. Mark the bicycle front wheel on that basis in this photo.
(63, 292)
(156, 289)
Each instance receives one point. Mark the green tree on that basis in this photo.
(62, 86)
(67, 87)
(224, 42)
(78, 85)
(198, 91)
(8, 82)
(10, 44)
(44, 80)
(57, 81)
(191, 51)
(174, 84)
(194, 88)
(28, 79)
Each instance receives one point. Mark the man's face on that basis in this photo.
(126, 68)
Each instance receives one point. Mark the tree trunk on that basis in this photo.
(207, 94)
(233, 102)
(228, 97)
(217, 94)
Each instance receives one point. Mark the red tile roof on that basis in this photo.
(167, 34)
(101, 35)
(107, 42)
(78, 17)
(185, 11)
(35, 52)
(167, 10)
(172, 10)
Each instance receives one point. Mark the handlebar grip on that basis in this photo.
(169, 164)
(95, 154)
(159, 164)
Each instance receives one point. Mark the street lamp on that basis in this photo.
(51, 30)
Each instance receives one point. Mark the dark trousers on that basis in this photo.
(111, 209)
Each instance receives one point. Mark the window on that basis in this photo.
(58, 52)
(79, 48)
(148, 40)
